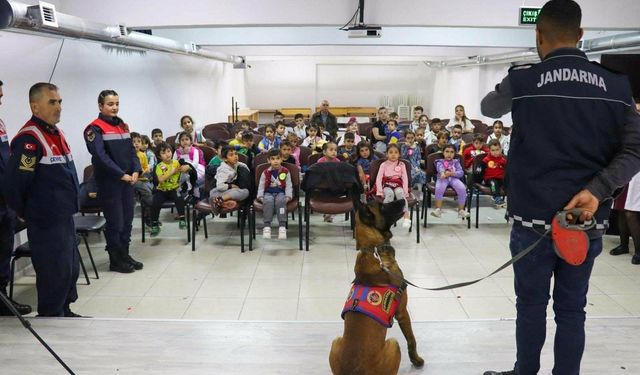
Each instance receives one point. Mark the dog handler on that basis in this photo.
(575, 140)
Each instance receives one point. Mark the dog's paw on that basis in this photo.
(417, 361)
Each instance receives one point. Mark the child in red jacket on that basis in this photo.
(495, 164)
(474, 150)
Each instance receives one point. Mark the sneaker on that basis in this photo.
(282, 233)
(499, 373)
(328, 218)
(462, 214)
(266, 233)
(406, 223)
(436, 213)
(619, 250)
(155, 230)
(182, 224)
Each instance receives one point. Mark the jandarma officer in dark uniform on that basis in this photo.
(7, 224)
(575, 140)
(44, 192)
(116, 170)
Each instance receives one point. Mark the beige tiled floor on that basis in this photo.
(278, 282)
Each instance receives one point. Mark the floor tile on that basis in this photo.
(214, 309)
(279, 309)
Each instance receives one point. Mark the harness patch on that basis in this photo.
(377, 302)
(27, 163)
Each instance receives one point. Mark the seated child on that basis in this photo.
(352, 127)
(245, 125)
(393, 135)
(88, 194)
(227, 192)
(322, 133)
(443, 138)
(237, 140)
(270, 140)
(392, 182)
(329, 155)
(313, 140)
(282, 130)
(285, 152)
(449, 173)
(187, 125)
(417, 114)
(497, 134)
(411, 151)
(420, 138)
(275, 189)
(300, 129)
(423, 122)
(248, 148)
(294, 141)
(218, 145)
(151, 156)
(476, 149)
(348, 148)
(143, 187)
(158, 138)
(494, 167)
(362, 159)
(435, 128)
(192, 165)
(456, 139)
(167, 178)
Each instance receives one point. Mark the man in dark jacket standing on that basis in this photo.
(7, 224)
(576, 139)
(44, 192)
(326, 118)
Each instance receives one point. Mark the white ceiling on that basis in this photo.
(412, 29)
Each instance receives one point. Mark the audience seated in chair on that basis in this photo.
(275, 190)
(167, 181)
(228, 192)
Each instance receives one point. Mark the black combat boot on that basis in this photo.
(5, 311)
(118, 264)
(125, 255)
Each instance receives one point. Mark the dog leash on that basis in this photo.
(560, 224)
(466, 283)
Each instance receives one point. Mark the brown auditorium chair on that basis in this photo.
(257, 138)
(478, 188)
(412, 202)
(325, 195)
(171, 140)
(364, 129)
(216, 132)
(313, 159)
(202, 209)
(261, 158)
(305, 152)
(292, 206)
(431, 185)
(208, 153)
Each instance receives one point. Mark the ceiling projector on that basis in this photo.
(365, 31)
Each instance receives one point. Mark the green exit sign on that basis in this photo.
(528, 16)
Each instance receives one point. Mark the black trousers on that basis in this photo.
(159, 197)
(117, 205)
(7, 227)
(54, 254)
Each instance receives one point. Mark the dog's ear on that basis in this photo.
(366, 216)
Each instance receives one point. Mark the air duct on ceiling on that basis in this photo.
(44, 19)
(590, 47)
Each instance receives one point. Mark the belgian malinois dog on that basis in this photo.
(362, 349)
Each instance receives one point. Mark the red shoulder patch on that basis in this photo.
(29, 146)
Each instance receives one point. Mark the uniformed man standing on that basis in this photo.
(7, 225)
(43, 191)
(576, 139)
(116, 169)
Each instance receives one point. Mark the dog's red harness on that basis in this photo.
(377, 302)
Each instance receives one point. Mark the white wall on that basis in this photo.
(155, 88)
(303, 83)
